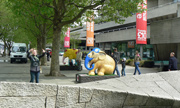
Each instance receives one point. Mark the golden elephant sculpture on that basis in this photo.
(101, 61)
(70, 53)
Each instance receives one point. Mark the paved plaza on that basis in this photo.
(151, 88)
(19, 72)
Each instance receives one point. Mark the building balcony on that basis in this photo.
(165, 11)
(122, 35)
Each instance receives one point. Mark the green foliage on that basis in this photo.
(141, 64)
(130, 62)
(74, 40)
(61, 14)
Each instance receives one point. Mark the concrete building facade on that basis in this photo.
(163, 33)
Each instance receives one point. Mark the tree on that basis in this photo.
(74, 40)
(63, 13)
(30, 20)
(7, 27)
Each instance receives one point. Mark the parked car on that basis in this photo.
(61, 53)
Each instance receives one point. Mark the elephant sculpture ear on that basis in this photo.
(102, 55)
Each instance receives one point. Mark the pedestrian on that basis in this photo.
(112, 54)
(70, 62)
(48, 55)
(137, 60)
(116, 57)
(79, 59)
(35, 62)
(172, 62)
(123, 62)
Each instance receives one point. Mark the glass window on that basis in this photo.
(18, 49)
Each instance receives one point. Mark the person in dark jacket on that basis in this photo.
(172, 62)
(35, 62)
(123, 67)
(116, 57)
(48, 55)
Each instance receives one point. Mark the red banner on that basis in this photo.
(90, 33)
(141, 25)
(67, 39)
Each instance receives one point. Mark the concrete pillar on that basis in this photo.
(178, 11)
(178, 55)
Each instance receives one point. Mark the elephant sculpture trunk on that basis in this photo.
(87, 60)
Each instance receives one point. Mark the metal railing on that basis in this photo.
(118, 29)
(159, 6)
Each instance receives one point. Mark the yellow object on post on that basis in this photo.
(70, 53)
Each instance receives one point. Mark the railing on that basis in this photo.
(118, 29)
(159, 6)
(178, 1)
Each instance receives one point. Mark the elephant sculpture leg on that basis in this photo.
(101, 72)
(92, 72)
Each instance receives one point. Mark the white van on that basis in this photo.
(18, 53)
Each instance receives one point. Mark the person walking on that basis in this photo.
(79, 59)
(172, 62)
(116, 57)
(123, 67)
(35, 62)
(137, 60)
(48, 55)
(112, 54)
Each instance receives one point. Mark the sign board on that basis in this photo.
(67, 39)
(90, 33)
(141, 25)
(131, 44)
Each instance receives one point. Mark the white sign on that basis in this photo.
(90, 40)
(141, 35)
(66, 43)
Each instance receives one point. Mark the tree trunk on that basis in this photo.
(39, 45)
(44, 59)
(55, 68)
(9, 45)
(4, 53)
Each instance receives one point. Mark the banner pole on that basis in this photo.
(141, 50)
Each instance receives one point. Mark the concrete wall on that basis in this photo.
(161, 2)
(166, 31)
(152, 3)
(26, 95)
(162, 51)
(178, 54)
(122, 35)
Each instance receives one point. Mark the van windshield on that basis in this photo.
(18, 49)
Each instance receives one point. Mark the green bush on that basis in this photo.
(143, 63)
(130, 62)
